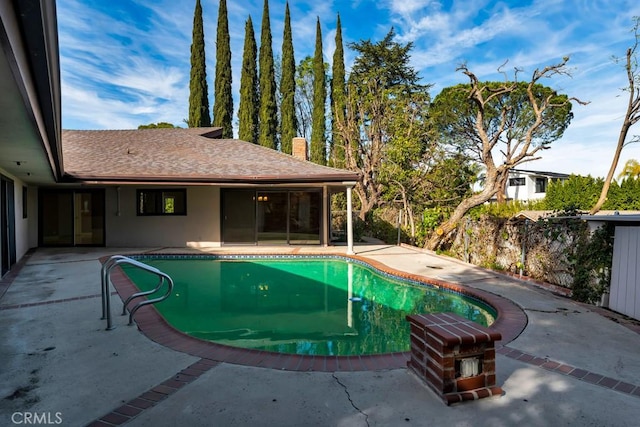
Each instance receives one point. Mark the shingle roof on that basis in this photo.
(183, 155)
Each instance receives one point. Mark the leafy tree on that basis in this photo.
(402, 172)
(198, 98)
(580, 193)
(287, 87)
(223, 100)
(517, 119)
(338, 106)
(631, 169)
(382, 86)
(417, 174)
(318, 127)
(248, 109)
(304, 97)
(575, 193)
(158, 125)
(624, 195)
(632, 115)
(268, 108)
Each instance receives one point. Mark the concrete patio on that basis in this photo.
(573, 364)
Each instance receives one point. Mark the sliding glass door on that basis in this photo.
(7, 225)
(239, 216)
(71, 218)
(88, 215)
(271, 217)
(305, 209)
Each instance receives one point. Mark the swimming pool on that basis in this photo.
(326, 305)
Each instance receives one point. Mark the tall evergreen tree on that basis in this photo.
(268, 107)
(338, 103)
(223, 100)
(198, 98)
(248, 109)
(318, 143)
(287, 87)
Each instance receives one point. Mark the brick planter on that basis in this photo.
(454, 356)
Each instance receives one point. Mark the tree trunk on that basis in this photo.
(501, 195)
(614, 164)
(445, 229)
(367, 202)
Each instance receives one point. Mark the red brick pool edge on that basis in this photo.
(510, 322)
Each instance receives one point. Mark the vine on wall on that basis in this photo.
(560, 251)
(592, 264)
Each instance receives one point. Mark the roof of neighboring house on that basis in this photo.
(183, 155)
(532, 215)
(599, 216)
(614, 216)
(540, 173)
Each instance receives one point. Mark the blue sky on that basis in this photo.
(126, 62)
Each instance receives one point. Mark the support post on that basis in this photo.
(326, 214)
(349, 223)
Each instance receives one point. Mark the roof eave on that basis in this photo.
(335, 179)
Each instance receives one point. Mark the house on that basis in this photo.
(525, 185)
(185, 187)
(151, 187)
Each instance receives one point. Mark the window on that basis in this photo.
(162, 202)
(516, 182)
(541, 185)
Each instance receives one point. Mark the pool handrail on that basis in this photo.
(135, 308)
(105, 279)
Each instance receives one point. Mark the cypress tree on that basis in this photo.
(198, 98)
(268, 108)
(223, 100)
(338, 103)
(318, 148)
(248, 109)
(287, 87)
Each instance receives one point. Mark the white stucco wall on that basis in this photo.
(524, 192)
(25, 228)
(199, 228)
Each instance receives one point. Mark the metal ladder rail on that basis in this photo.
(104, 282)
(163, 277)
(106, 274)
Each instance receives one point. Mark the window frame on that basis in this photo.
(544, 185)
(159, 202)
(519, 181)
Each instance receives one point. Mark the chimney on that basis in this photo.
(299, 148)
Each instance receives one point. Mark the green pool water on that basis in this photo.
(300, 306)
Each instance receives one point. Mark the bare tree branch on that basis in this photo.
(497, 124)
(632, 114)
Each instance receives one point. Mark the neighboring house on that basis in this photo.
(152, 187)
(525, 185)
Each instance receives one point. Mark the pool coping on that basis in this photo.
(510, 322)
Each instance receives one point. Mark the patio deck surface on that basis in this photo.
(559, 363)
